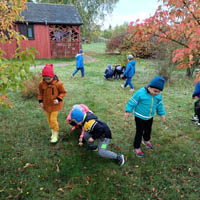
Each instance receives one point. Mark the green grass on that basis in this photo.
(53, 61)
(98, 47)
(33, 169)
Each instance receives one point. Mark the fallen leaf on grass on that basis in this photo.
(28, 165)
(57, 168)
(60, 190)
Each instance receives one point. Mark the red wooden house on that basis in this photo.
(52, 29)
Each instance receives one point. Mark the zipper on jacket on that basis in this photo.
(151, 107)
(52, 91)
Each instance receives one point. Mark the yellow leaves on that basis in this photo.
(9, 13)
(4, 78)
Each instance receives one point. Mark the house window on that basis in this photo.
(27, 30)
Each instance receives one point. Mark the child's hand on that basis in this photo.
(55, 101)
(126, 115)
(90, 140)
(41, 105)
(80, 144)
(73, 128)
(162, 117)
(80, 139)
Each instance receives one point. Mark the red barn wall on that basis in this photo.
(41, 42)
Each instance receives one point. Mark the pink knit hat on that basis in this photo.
(48, 70)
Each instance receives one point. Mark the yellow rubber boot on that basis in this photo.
(54, 139)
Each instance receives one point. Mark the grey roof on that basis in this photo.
(51, 14)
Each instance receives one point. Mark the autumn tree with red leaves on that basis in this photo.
(177, 22)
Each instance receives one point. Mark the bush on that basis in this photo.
(141, 49)
(30, 89)
(115, 43)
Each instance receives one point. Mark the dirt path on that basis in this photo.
(87, 59)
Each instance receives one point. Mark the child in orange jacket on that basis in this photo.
(50, 97)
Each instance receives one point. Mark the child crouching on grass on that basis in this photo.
(84, 109)
(196, 95)
(50, 97)
(96, 130)
(145, 102)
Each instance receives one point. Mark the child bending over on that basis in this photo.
(96, 130)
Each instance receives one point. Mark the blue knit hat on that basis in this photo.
(77, 115)
(157, 82)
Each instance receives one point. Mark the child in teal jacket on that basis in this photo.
(145, 102)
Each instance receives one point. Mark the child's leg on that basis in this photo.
(48, 117)
(139, 132)
(147, 129)
(82, 72)
(126, 83)
(75, 72)
(53, 121)
(102, 149)
(130, 83)
(197, 109)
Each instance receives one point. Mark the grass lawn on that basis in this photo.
(33, 169)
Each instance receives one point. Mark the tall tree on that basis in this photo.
(91, 12)
(174, 21)
(12, 72)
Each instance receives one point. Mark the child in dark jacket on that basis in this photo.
(108, 74)
(196, 95)
(50, 97)
(145, 102)
(96, 130)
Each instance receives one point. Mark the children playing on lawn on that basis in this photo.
(145, 102)
(84, 109)
(96, 130)
(50, 97)
(79, 64)
(129, 73)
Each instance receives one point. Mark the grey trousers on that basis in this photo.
(102, 147)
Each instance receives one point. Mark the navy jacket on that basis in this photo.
(95, 127)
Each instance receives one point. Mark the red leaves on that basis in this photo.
(175, 21)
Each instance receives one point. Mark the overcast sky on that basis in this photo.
(130, 10)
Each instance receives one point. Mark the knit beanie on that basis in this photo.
(157, 82)
(77, 115)
(81, 51)
(48, 70)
